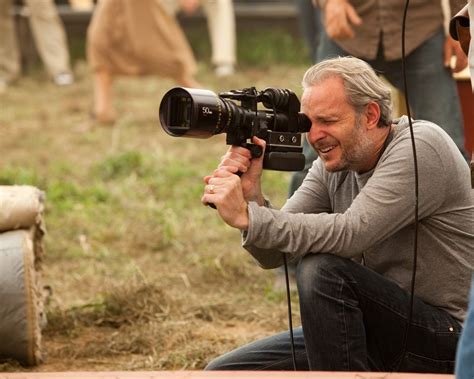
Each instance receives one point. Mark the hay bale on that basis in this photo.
(21, 302)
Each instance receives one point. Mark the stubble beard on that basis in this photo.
(355, 151)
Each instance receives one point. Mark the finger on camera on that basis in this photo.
(240, 150)
(237, 165)
(230, 166)
(221, 173)
(234, 156)
(236, 159)
(259, 141)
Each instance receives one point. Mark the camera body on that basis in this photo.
(200, 113)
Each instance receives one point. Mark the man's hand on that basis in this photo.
(452, 48)
(339, 16)
(238, 159)
(223, 189)
(231, 193)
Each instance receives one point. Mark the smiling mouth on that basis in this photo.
(327, 149)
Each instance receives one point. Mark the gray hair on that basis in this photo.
(361, 83)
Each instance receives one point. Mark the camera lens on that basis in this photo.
(180, 118)
(193, 113)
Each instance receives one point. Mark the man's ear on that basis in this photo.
(372, 112)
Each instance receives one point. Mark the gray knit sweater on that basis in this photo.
(371, 216)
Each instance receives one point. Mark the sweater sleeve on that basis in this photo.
(384, 206)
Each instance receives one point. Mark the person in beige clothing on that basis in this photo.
(135, 38)
(48, 33)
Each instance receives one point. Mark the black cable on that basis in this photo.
(287, 279)
(290, 319)
(415, 162)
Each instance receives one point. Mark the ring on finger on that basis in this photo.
(211, 188)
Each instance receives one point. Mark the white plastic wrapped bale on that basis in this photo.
(21, 305)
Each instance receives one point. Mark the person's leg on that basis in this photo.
(432, 91)
(354, 320)
(271, 353)
(222, 32)
(310, 25)
(50, 38)
(9, 53)
(103, 105)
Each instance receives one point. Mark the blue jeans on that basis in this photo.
(310, 25)
(353, 319)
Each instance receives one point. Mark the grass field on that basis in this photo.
(142, 275)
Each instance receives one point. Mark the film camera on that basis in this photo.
(200, 113)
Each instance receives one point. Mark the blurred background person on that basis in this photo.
(128, 37)
(220, 17)
(49, 36)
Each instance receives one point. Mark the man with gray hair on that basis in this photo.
(351, 225)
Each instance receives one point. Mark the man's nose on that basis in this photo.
(315, 133)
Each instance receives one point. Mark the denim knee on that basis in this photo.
(314, 267)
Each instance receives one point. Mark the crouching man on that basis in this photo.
(351, 225)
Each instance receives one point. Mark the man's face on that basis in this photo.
(338, 133)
